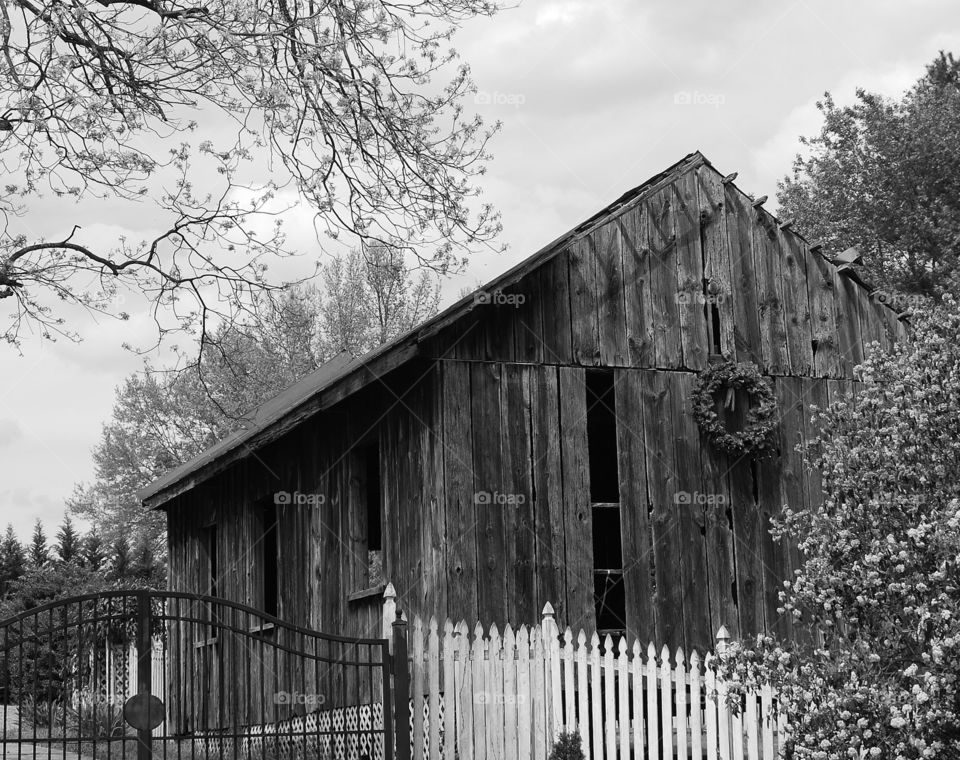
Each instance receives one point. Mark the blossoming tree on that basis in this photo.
(880, 577)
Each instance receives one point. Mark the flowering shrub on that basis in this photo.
(880, 580)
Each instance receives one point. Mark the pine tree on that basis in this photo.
(12, 560)
(68, 541)
(93, 553)
(121, 562)
(39, 552)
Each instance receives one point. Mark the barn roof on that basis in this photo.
(344, 375)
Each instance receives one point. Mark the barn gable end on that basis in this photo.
(535, 441)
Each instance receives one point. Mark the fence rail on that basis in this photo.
(483, 695)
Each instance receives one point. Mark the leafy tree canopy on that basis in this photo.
(884, 176)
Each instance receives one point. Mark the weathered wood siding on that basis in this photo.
(483, 445)
(686, 270)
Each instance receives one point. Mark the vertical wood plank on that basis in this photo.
(767, 720)
(739, 219)
(636, 671)
(716, 256)
(823, 314)
(609, 700)
(666, 705)
(485, 383)
(623, 698)
(693, 321)
(659, 426)
(433, 686)
(519, 550)
(767, 265)
(752, 728)
(653, 715)
(450, 727)
(548, 512)
(527, 319)
(541, 701)
(524, 696)
(555, 285)
(710, 687)
(796, 303)
(635, 526)
(848, 324)
(576, 498)
(478, 658)
(461, 532)
(417, 655)
(680, 693)
(662, 267)
(696, 715)
(636, 285)
(494, 693)
(584, 331)
(596, 690)
(510, 694)
(583, 692)
(611, 306)
(569, 693)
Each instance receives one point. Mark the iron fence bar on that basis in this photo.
(144, 669)
(401, 685)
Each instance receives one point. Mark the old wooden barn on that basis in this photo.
(535, 442)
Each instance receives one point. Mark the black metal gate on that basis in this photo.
(163, 674)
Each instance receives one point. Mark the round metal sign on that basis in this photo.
(144, 711)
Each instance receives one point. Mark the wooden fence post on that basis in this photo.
(401, 689)
(389, 613)
(553, 687)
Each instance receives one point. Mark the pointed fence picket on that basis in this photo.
(480, 695)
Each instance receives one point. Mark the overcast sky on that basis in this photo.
(594, 97)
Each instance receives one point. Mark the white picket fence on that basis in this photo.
(488, 696)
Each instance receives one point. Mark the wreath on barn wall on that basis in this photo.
(760, 420)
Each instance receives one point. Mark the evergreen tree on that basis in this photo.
(13, 560)
(121, 563)
(68, 541)
(92, 550)
(39, 552)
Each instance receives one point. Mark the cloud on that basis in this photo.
(10, 432)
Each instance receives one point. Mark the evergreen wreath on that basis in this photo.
(761, 417)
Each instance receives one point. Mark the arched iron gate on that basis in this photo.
(163, 674)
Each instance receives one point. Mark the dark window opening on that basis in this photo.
(374, 527)
(611, 602)
(271, 559)
(602, 437)
(609, 598)
(210, 549)
(373, 497)
(715, 313)
(607, 552)
(208, 539)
